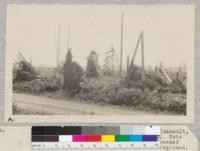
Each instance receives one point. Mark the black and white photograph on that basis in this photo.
(102, 60)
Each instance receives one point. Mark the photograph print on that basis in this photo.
(100, 60)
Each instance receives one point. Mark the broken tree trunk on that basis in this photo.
(140, 40)
(166, 75)
(136, 48)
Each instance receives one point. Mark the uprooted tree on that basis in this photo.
(72, 74)
(23, 70)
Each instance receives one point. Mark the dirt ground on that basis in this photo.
(37, 105)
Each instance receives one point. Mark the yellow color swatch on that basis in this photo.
(107, 138)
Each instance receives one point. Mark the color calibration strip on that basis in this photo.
(95, 138)
(95, 134)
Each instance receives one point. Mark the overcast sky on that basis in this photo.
(168, 32)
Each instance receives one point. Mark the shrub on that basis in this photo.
(24, 76)
(133, 74)
(127, 97)
(110, 91)
(36, 86)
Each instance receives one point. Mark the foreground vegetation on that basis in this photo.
(104, 86)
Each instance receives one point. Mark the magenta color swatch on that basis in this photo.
(79, 138)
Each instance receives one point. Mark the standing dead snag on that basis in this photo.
(128, 65)
(121, 49)
(109, 65)
(57, 45)
(58, 69)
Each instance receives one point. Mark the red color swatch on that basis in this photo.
(93, 138)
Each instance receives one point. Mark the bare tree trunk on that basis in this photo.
(58, 46)
(121, 52)
(142, 54)
(127, 68)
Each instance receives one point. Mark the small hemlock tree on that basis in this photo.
(72, 74)
(92, 69)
